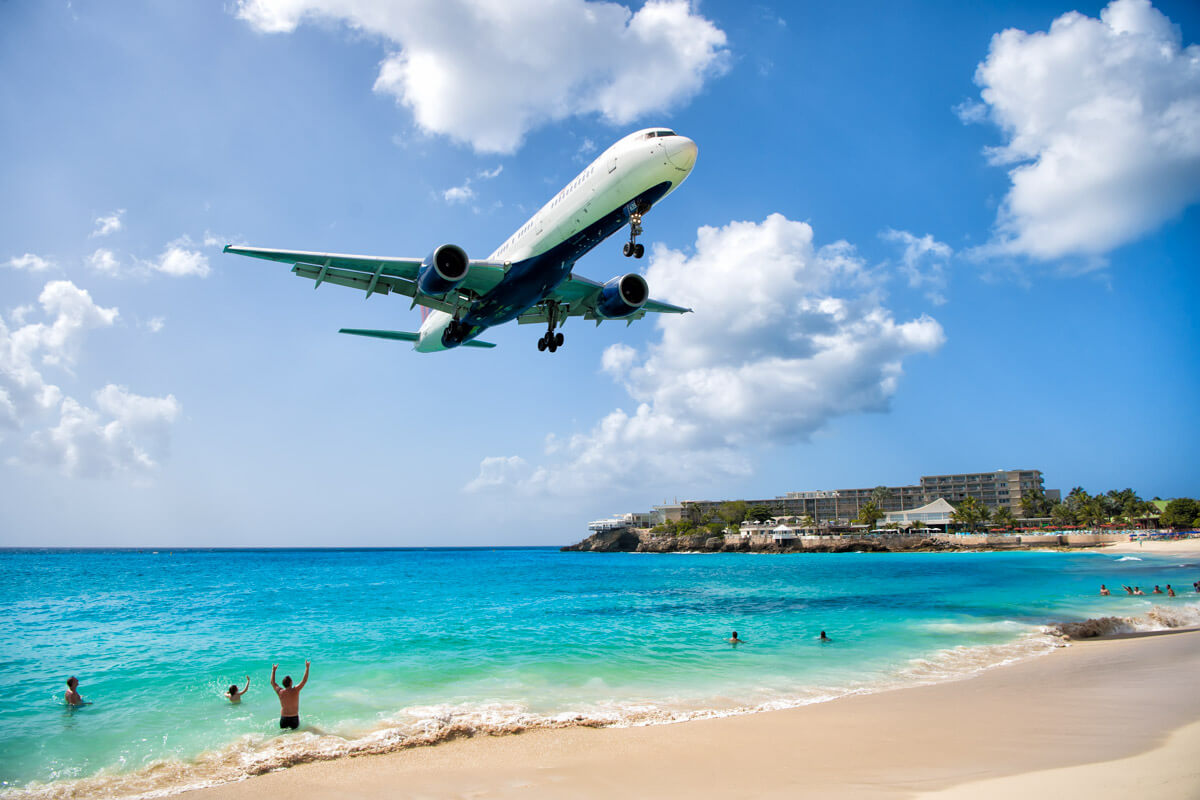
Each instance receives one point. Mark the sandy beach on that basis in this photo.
(1168, 547)
(1111, 718)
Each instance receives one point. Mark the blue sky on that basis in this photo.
(915, 244)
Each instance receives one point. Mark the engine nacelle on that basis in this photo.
(622, 296)
(443, 270)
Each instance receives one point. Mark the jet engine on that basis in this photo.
(622, 296)
(442, 270)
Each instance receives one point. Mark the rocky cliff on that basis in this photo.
(627, 540)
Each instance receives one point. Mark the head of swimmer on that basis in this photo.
(287, 681)
(232, 689)
(72, 682)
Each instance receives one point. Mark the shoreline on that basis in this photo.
(1098, 702)
(640, 540)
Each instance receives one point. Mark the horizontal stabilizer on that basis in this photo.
(402, 336)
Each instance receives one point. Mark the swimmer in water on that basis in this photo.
(1138, 590)
(72, 695)
(234, 695)
(824, 638)
(1170, 591)
(1104, 590)
(1157, 590)
(734, 640)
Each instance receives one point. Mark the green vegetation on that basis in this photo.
(733, 512)
(1035, 504)
(1003, 518)
(759, 513)
(1182, 512)
(971, 513)
(868, 515)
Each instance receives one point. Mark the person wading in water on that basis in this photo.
(289, 698)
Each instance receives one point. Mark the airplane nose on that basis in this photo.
(681, 152)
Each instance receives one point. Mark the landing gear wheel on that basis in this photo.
(552, 346)
(541, 344)
(627, 249)
(558, 340)
(639, 250)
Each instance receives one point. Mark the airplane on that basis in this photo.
(529, 277)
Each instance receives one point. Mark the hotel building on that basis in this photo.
(993, 489)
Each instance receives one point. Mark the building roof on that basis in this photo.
(930, 512)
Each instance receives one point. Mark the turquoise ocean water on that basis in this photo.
(411, 646)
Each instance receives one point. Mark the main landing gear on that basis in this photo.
(550, 340)
(632, 247)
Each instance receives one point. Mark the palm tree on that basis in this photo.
(868, 515)
(970, 512)
(880, 495)
(1002, 517)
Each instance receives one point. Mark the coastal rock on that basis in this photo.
(615, 541)
(642, 540)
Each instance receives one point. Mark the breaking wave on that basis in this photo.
(1129, 558)
(1158, 618)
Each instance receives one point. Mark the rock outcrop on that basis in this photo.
(629, 540)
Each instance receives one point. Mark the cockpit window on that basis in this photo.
(653, 134)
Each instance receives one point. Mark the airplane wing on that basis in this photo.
(579, 296)
(376, 274)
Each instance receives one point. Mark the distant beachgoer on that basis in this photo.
(1170, 591)
(1138, 590)
(72, 695)
(234, 695)
(734, 640)
(1128, 589)
(1157, 590)
(823, 638)
(1104, 592)
(289, 698)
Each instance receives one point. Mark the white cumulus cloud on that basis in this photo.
(181, 260)
(109, 224)
(923, 261)
(785, 337)
(459, 194)
(103, 260)
(124, 432)
(486, 72)
(1102, 126)
(30, 262)
(27, 348)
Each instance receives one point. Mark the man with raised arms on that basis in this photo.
(289, 698)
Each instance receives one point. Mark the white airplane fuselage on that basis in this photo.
(627, 178)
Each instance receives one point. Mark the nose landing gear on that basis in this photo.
(632, 247)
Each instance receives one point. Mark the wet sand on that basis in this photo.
(1099, 719)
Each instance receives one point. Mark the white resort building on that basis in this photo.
(936, 513)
